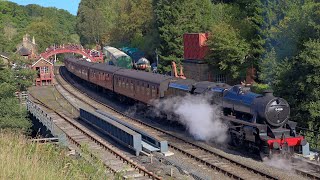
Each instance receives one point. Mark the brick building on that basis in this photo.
(45, 72)
(28, 48)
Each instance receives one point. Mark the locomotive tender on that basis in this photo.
(260, 122)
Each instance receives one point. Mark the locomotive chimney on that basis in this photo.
(268, 92)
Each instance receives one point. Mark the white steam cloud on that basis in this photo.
(278, 162)
(287, 164)
(201, 118)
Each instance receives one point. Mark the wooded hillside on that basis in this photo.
(280, 38)
(47, 25)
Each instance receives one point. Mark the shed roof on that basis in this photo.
(114, 51)
(41, 59)
(23, 51)
(142, 75)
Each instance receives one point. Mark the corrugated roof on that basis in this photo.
(145, 76)
(114, 51)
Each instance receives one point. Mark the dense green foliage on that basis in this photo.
(176, 17)
(279, 38)
(259, 88)
(292, 64)
(12, 114)
(47, 25)
(117, 23)
(230, 50)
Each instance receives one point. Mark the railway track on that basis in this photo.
(307, 168)
(112, 159)
(308, 173)
(202, 156)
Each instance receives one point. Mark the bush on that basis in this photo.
(259, 88)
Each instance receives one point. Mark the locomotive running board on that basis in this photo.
(259, 126)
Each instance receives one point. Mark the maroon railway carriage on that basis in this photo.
(256, 133)
(79, 68)
(140, 86)
(101, 74)
(137, 85)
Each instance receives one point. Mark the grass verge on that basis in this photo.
(21, 159)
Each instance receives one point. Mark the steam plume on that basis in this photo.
(201, 119)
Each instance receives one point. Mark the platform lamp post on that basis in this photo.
(157, 57)
(55, 55)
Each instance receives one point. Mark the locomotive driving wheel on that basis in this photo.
(236, 140)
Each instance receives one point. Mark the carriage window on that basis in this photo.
(153, 92)
(131, 87)
(148, 90)
(127, 84)
(137, 86)
(123, 83)
(142, 87)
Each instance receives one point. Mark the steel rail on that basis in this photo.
(307, 174)
(207, 163)
(100, 143)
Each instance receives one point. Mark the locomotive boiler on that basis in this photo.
(261, 121)
(258, 121)
(256, 108)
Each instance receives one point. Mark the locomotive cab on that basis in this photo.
(215, 91)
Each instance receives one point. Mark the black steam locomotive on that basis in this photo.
(260, 122)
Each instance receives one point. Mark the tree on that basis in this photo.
(299, 83)
(141, 33)
(9, 31)
(48, 25)
(92, 25)
(45, 33)
(12, 114)
(268, 67)
(228, 50)
(173, 19)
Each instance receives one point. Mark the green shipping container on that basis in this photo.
(114, 56)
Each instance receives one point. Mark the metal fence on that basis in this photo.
(312, 136)
(47, 121)
(22, 96)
